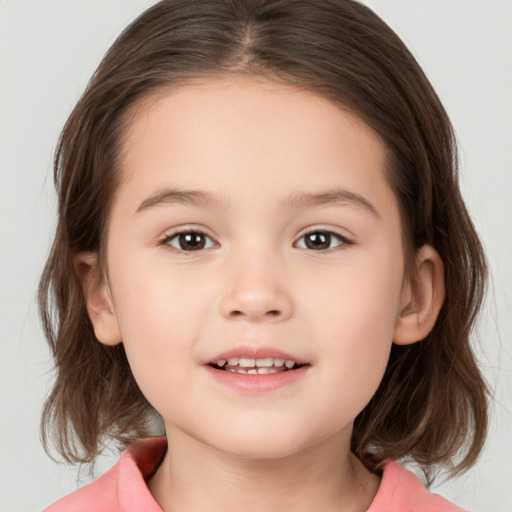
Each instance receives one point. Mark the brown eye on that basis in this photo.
(190, 241)
(321, 240)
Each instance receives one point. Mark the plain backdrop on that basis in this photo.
(49, 49)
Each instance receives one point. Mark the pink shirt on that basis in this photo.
(123, 488)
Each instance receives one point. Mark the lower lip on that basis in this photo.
(257, 383)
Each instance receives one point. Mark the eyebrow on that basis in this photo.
(297, 200)
(307, 200)
(181, 197)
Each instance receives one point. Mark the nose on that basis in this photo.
(256, 290)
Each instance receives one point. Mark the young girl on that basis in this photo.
(263, 277)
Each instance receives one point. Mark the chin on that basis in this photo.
(265, 444)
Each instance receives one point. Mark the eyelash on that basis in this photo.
(176, 234)
(344, 241)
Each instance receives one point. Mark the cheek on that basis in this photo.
(358, 299)
(157, 299)
(356, 315)
(160, 319)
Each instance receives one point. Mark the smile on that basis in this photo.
(254, 370)
(251, 366)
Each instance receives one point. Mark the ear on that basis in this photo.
(98, 299)
(423, 296)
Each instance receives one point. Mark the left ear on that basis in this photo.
(423, 297)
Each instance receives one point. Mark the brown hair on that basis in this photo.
(431, 406)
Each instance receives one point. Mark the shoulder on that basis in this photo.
(123, 488)
(402, 491)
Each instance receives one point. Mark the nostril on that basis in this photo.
(237, 313)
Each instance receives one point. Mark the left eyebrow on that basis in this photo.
(307, 200)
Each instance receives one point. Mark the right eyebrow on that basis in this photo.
(180, 197)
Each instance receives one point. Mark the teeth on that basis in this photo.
(267, 363)
(263, 371)
(245, 362)
(254, 371)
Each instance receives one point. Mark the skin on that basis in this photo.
(254, 144)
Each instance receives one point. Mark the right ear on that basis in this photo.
(98, 299)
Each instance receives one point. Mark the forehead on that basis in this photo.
(275, 135)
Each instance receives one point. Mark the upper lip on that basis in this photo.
(251, 352)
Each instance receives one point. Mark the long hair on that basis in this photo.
(431, 406)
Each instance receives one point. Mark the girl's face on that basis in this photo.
(254, 221)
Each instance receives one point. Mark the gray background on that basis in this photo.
(48, 50)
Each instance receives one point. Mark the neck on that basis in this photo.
(196, 477)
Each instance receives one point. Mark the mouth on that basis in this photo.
(253, 366)
(254, 370)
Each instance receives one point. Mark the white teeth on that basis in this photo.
(257, 364)
(266, 362)
(254, 371)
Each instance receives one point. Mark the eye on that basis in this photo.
(321, 240)
(189, 241)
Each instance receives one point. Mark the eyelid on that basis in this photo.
(346, 241)
(169, 235)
